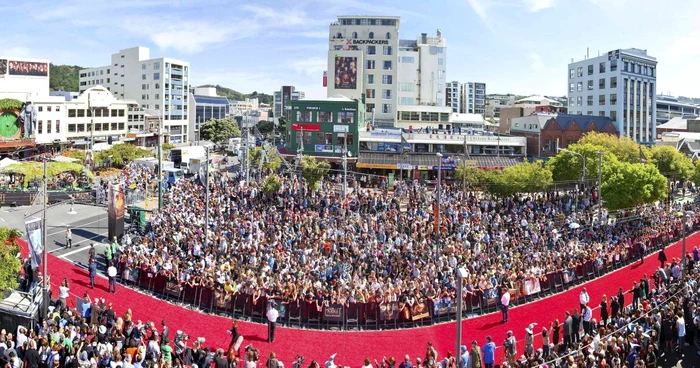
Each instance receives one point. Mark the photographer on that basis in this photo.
(510, 349)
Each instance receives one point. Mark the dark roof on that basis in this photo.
(217, 100)
(430, 159)
(582, 121)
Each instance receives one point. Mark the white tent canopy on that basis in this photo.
(5, 162)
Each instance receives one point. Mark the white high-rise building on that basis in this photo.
(473, 98)
(621, 85)
(160, 84)
(453, 94)
(363, 58)
(422, 65)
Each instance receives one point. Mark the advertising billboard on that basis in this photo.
(115, 211)
(3, 66)
(345, 72)
(28, 68)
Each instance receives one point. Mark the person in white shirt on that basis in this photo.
(272, 315)
(680, 323)
(584, 299)
(587, 315)
(112, 273)
(69, 237)
(505, 301)
(63, 291)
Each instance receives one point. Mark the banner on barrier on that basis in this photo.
(172, 288)
(419, 311)
(131, 274)
(444, 306)
(334, 313)
(389, 311)
(222, 299)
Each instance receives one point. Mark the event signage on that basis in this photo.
(370, 42)
(36, 244)
(115, 211)
(327, 148)
(334, 313)
(341, 128)
(345, 72)
(385, 134)
(306, 127)
(312, 108)
(28, 68)
(349, 109)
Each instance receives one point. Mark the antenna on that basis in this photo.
(587, 53)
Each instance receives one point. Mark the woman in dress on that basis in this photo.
(604, 310)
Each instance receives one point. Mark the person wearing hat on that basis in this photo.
(510, 349)
(112, 275)
(463, 357)
(272, 315)
(475, 360)
(529, 340)
(330, 363)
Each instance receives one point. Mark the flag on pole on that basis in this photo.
(36, 244)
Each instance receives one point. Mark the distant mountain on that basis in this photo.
(238, 96)
(63, 77)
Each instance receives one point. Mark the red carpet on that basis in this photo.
(353, 347)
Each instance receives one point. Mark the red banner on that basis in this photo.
(307, 127)
(325, 79)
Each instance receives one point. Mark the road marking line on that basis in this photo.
(63, 256)
(72, 227)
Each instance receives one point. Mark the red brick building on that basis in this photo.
(544, 130)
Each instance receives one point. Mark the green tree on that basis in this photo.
(626, 185)
(266, 127)
(272, 163)
(76, 154)
(166, 147)
(10, 265)
(623, 148)
(525, 177)
(272, 184)
(63, 77)
(475, 177)
(120, 155)
(568, 167)
(313, 171)
(219, 131)
(695, 175)
(672, 163)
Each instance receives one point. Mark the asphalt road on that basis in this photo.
(88, 224)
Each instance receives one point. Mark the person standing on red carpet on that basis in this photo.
(505, 301)
(272, 315)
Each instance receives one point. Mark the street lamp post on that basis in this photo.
(439, 194)
(461, 274)
(583, 158)
(600, 187)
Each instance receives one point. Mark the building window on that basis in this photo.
(601, 100)
(371, 50)
(143, 66)
(324, 117)
(406, 101)
(98, 127)
(388, 37)
(441, 61)
(579, 101)
(590, 70)
(613, 98)
(589, 101)
(354, 35)
(601, 113)
(572, 73)
(386, 108)
(613, 65)
(601, 83)
(571, 87)
(613, 115)
(71, 113)
(387, 79)
(407, 60)
(370, 64)
(387, 65)
(369, 107)
(114, 126)
(58, 126)
(370, 78)
(40, 126)
(41, 108)
(547, 145)
(143, 76)
(579, 71)
(571, 101)
(338, 35)
(143, 86)
(601, 67)
(307, 137)
(113, 113)
(590, 84)
(589, 113)
(387, 50)
(386, 94)
(613, 82)
(370, 93)
(156, 65)
(304, 116)
(441, 74)
(71, 128)
(346, 117)
(81, 113)
(156, 76)
(579, 87)
(371, 35)
(121, 126)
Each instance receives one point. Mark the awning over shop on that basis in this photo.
(394, 161)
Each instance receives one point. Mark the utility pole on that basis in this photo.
(160, 162)
(464, 168)
(345, 166)
(247, 152)
(206, 200)
(45, 284)
(600, 187)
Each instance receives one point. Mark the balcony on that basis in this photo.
(176, 82)
(176, 71)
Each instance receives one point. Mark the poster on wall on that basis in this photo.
(28, 68)
(345, 72)
(3, 66)
(36, 245)
(115, 217)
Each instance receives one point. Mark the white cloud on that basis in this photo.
(537, 63)
(536, 5)
(312, 67)
(479, 7)
(17, 51)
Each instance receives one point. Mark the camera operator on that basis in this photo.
(234, 337)
(299, 362)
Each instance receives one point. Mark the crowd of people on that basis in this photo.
(378, 245)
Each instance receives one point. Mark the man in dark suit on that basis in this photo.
(621, 298)
(568, 330)
(92, 267)
(575, 326)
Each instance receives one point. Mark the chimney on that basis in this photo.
(424, 38)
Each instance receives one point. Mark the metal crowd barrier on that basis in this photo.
(360, 316)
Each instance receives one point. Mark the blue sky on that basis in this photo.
(516, 46)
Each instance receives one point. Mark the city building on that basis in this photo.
(535, 101)
(453, 96)
(525, 107)
(205, 105)
(324, 128)
(668, 107)
(473, 98)
(363, 59)
(158, 84)
(621, 85)
(422, 66)
(495, 102)
(239, 108)
(282, 98)
(69, 96)
(21, 78)
(545, 130)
